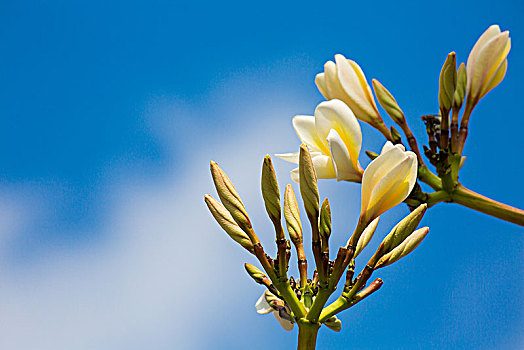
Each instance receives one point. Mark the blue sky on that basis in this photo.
(111, 111)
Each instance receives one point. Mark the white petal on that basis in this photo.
(320, 81)
(323, 166)
(333, 87)
(262, 306)
(287, 325)
(389, 145)
(344, 168)
(336, 115)
(290, 157)
(305, 128)
(490, 33)
(294, 175)
(488, 59)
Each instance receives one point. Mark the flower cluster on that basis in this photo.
(331, 144)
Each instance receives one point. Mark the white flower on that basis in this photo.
(263, 307)
(345, 80)
(334, 137)
(487, 63)
(387, 180)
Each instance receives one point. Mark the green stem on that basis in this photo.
(290, 298)
(307, 335)
(437, 197)
(426, 176)
(485, 205)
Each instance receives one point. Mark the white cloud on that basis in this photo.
(158, 269)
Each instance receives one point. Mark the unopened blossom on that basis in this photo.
(345, 80)
(487, 63)
(334, 138)
(387, 180)
(263, 307)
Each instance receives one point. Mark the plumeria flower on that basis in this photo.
(487, 63)
(262, 306)
(345, 80)
(387, 180)
(334, 138)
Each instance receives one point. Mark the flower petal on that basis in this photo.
(343, 165)
(394, 187)
(323, 166)
(333, 87)
(336, 115)
(287, 325)
(497, 78)
(305, 128)
(320, 81)
(376, 170)
(289, 157)
(262, 306)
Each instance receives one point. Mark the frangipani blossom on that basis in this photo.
(334, 138)
(487, 63)
(263, 307)
(345, 80)
(387, 180)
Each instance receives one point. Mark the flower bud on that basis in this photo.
(387, 181)
(365, 237)
(460, 90)
(270, 191)
(404, 228)
(487, 63)
(395, 135)
(325, 220)
(308, 183)
(255, 273)
(230, 198)
(292, 215)
(388, 102)
(447, 83)
(404, 248)
(372, 155)
(225, 220)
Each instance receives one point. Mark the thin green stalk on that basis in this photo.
(485, 205)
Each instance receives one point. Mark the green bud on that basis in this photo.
(447, 83)
(395, 135)
(333, 323)
(230, 198)
(225, 220)
(365, 237)
(372, 155)
(292, 215)
(308, 183)
(460, 90)
(255, 273)
(404, 228)
(325, 220)
(388, 102)
(270, 191)
(272, 299)
(404, 248)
